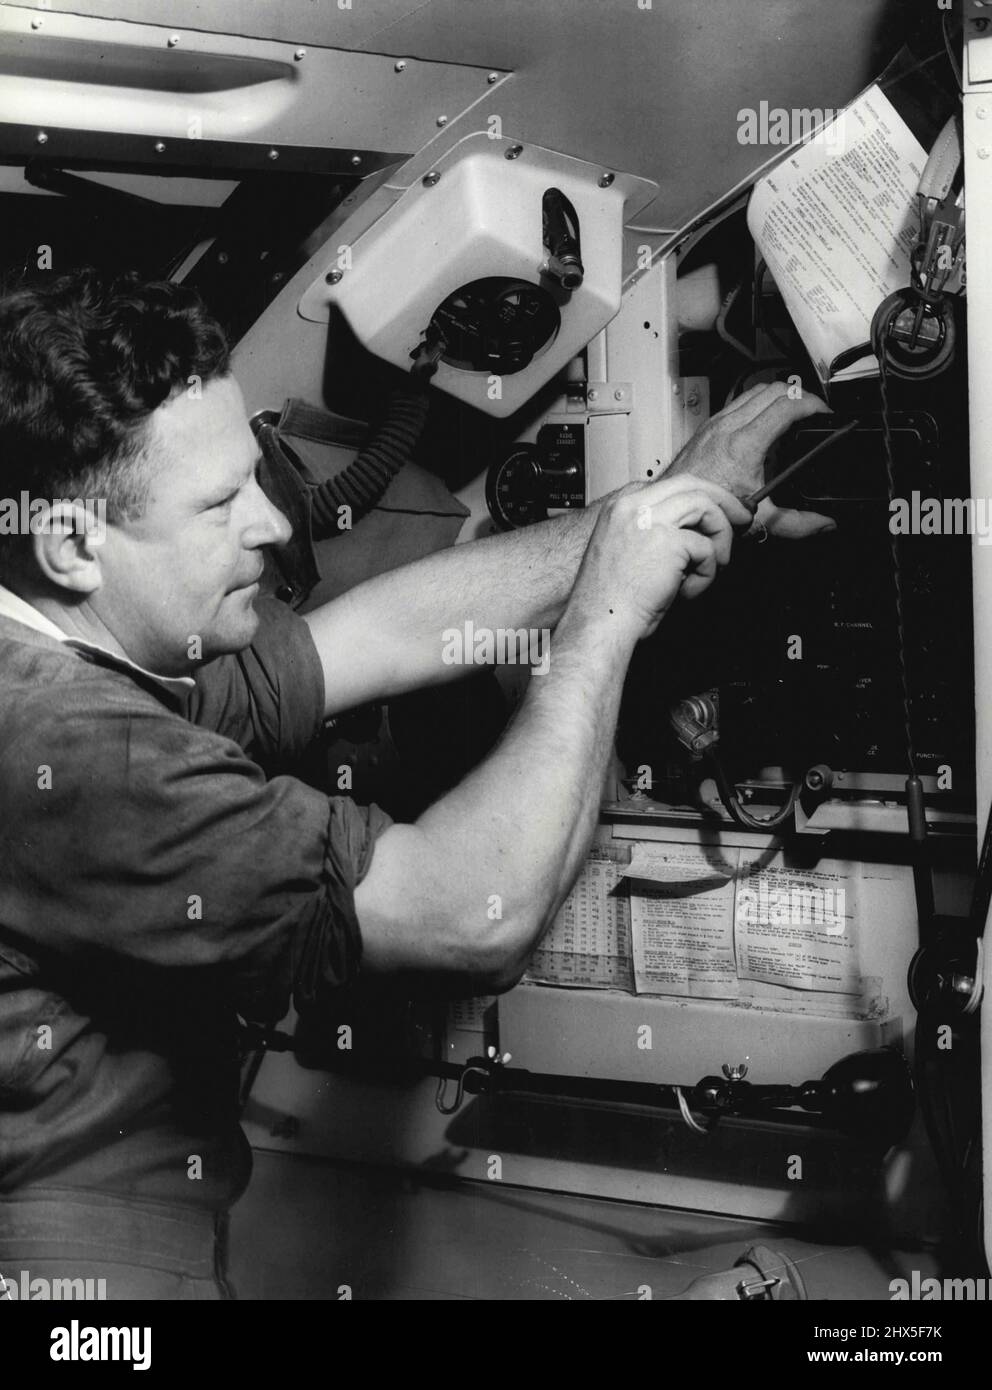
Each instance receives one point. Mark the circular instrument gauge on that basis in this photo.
(515, 489)
(495, 325)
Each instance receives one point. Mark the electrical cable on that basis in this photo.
(724, 332)
(955, 66)
(914, 787)
(926, 1091)
(890, 474)
(937, 1104)
(734, 806)
(686, 1113)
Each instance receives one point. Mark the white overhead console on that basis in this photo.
(499, 265)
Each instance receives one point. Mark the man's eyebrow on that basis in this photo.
(221, 494)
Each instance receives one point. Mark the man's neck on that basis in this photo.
(69, 625)
(78, 622)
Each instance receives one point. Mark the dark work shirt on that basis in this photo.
(155, 884)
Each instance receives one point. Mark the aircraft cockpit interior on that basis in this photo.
(479, 267)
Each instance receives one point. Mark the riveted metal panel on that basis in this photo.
(188, 94)
(654, 91)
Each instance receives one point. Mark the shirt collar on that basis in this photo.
(14, 607)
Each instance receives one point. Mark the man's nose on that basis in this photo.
(268, 525)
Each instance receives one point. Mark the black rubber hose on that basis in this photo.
(362, 484)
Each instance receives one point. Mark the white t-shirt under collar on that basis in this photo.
(20, 611)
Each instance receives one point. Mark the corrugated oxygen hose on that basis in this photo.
(362, 484)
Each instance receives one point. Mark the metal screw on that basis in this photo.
(273, 154)
(983, 152)
(299, 55)
(222, 258)
(173, 40)
(356, 159)
(982, 113)
(37, 23)
(514, 152)
(618, 395)
(606, 179)
(41, 138)
(441, 120)
(334, 276)
(399, 65)
(593, 395)
(429, 180)
(493, 77)
(160, 147)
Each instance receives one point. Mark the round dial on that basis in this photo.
(495, 325)
(515, 489)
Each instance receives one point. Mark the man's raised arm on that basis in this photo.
(383, 637)
(466, 892)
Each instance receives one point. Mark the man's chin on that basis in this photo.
(235, 626)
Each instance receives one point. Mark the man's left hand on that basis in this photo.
(730, 450)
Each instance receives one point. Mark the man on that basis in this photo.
(153, 884)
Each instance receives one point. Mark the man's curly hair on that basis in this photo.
(84, 361)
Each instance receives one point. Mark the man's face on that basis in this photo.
(179, 583)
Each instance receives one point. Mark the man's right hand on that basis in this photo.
(466, 893)
(652, 542)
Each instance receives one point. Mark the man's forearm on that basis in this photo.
(514, 833)
(520, 578)
(385, 636)
(467, 891)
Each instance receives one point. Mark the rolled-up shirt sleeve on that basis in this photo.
(163, 845)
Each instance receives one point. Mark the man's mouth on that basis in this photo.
(248, 584)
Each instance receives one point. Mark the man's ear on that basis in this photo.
(66, 540)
